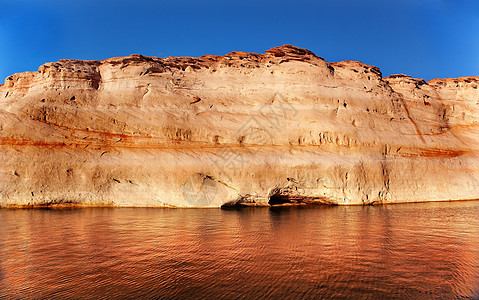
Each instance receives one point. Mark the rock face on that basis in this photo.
(284, 127)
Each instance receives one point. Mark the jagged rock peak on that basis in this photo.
(405, 79)
(289, 50)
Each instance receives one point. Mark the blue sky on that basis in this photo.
(422, 38)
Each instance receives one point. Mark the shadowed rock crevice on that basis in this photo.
(278, 199)
(287, 196)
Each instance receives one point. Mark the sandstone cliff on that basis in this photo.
(241, 129)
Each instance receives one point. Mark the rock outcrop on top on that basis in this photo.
(284, 127)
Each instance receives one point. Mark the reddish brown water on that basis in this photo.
(414, 251)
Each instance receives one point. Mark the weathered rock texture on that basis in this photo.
(241, 129)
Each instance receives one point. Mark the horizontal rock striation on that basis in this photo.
(280, 128)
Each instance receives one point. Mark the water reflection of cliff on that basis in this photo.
(419, 251)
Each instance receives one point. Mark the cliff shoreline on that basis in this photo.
(280, 128)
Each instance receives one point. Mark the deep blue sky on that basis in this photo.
(421, 38)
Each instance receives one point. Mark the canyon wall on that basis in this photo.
(244, 129)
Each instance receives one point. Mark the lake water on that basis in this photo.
(418, 251)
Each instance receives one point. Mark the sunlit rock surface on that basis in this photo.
(284, 127)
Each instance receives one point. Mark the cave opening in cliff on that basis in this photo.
(278, 199)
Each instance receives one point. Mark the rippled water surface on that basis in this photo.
(418, 251)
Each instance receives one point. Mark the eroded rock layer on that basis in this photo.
(284, 127)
